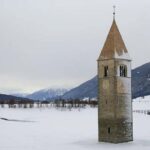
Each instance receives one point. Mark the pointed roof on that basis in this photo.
(114, 46)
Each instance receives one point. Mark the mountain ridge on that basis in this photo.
(5, 97)
(45, 94)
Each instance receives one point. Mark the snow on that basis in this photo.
(142, 103)
(61, 129)
(124, 55)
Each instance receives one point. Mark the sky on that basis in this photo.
(55, 43)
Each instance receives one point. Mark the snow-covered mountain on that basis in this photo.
(20, 94)
(45, 94)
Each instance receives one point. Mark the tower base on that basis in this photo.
(116, 140)
(115, 132)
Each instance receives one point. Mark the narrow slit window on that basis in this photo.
(109, 130)
(105, 71)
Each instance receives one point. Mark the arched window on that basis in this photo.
(123, 70)
(105, 71)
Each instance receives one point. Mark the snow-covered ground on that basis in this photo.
(53, 129)
(141, 103)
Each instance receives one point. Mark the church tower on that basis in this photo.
(115, 122)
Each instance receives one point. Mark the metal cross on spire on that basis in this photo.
(114, 11)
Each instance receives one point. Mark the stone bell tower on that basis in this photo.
(115, 121)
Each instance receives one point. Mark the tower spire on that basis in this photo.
(114, 46)
(114, 12)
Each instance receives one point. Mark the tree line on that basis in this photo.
(58, 103)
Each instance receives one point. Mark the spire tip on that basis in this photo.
(114, 12)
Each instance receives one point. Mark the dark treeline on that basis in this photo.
(59, 103)
(12, 103)
(75, 103)
(147, 112)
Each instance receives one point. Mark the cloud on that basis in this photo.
(57, 42)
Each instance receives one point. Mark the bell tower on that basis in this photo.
(115, 121)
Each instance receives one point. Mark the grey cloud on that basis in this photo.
(56, 42)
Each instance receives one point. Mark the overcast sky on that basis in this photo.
(55, 43)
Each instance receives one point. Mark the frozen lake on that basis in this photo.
(52, 129)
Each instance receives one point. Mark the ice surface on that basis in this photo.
(65, 130)
(142, 103)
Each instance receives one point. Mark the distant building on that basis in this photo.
(115, 120)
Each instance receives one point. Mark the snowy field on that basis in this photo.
(51, 129)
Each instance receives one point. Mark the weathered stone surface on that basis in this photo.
(114, 92)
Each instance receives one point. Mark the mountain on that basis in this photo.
(140, 85)
(20, 94)
(4, 97)
(45, 94)
(87, 89)
(141, 81)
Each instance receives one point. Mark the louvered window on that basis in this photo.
(123, 71)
